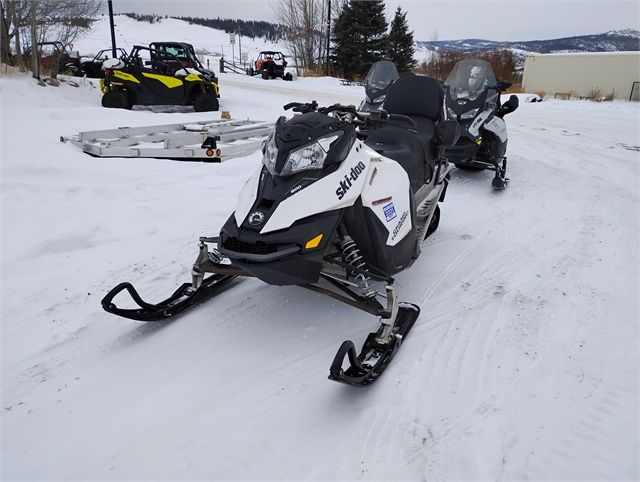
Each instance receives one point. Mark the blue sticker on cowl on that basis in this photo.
(389, 212)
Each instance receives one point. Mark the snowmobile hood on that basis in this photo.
(308, 128)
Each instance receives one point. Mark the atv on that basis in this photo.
(148, 77)
(270, 65)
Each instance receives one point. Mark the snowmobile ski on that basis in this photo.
(181, 300)
(374, 357)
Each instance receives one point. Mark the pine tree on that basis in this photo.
(400, 48)
(359, 36)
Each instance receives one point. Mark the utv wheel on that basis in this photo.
(288, 76)
(206, 101)
(435, 221)
(265, 75)
(116, 99)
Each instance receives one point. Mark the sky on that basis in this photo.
(451, 20)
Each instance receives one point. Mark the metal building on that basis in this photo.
(584, 75)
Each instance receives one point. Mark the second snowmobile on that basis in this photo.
(379, 79)
(473, 99)
(335, 209)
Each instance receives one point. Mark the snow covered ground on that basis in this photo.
(523, 364)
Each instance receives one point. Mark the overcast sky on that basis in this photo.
(451, 20)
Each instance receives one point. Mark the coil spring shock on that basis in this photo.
(351, 254)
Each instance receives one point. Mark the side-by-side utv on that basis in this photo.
(149, 77)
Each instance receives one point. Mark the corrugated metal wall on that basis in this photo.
(581, 74)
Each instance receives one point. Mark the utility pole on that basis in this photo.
(34, 41)
(328, 34)
(239, 44)
(113, 32)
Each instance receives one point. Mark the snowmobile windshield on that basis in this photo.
(380, 76)
(469, 78)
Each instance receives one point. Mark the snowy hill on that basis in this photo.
(209, 43)
(523, 364)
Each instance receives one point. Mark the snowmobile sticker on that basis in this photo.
(381, 201)
(256, 218)
(398, 227)
(373, 176)
(349, 179)
(389, 212)
(474, 128)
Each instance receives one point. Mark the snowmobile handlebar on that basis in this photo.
(351, 114)
(403, 118)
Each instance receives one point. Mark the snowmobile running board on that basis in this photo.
(208, 141)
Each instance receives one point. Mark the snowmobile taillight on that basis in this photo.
(313, 243)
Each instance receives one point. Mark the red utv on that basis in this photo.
(270, 65)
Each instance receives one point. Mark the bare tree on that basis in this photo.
(61, 20)
(303, 22)
(15, 16)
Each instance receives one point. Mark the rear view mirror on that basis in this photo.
(509, 106)
(448, 133)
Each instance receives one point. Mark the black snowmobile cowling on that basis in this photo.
(341, 203)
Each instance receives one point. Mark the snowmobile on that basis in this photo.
(376, 84)
(337, 210)
(473, 99)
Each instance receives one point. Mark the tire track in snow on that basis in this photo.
(489, 405)
(440, 313)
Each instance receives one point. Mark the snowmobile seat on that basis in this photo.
(422, 99)
(403, 147)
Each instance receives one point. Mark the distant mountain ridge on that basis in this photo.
(613, 41)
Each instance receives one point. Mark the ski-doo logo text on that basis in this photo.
(256, 218)
(349, 179)
(396, 230)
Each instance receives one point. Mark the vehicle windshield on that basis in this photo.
(180, 52)
(380, 76)
(469, 78)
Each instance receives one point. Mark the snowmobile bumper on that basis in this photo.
(293, 256)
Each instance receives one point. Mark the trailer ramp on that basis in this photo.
(208, 141)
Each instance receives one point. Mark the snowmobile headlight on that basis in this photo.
(470, 114)
(309, 157)
(452, 113)
(379, 99)
(270, 153)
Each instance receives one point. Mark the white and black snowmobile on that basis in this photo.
(337, 210)
(381, 75)
(473, 99)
